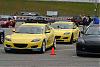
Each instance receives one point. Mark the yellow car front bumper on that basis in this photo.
(35, 46)
(63, 38)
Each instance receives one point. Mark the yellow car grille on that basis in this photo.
(60, 40)
(20, 45)
(57, 37)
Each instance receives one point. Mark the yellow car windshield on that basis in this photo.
(30, 30)
(62, 26)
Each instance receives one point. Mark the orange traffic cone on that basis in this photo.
(53, 51)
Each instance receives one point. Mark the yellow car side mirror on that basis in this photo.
(13, 30)
(48, 31)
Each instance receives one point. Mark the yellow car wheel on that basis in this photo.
(71, 40)
(54, 44)
(43, 48)
(79, 34)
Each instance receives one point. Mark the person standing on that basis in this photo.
(84, 20)
(89, 20)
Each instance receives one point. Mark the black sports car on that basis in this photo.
(89, 42)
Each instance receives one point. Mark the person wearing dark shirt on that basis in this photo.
(89, 20)
(84, 20)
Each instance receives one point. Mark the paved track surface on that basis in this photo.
(65, 57)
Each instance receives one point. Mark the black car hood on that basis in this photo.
(92, 39)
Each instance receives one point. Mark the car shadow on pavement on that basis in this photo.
(90, 56)
(64, 43)
(24, 52)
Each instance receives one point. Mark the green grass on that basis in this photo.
(64, 8)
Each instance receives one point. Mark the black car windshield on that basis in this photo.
(61, 26)
(93, 31)
(30, 29)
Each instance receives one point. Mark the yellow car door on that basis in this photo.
(48, 34)
(52, 36)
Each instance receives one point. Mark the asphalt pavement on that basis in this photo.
(65, 57)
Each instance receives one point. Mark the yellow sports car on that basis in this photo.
(35, 37)
(65, 31)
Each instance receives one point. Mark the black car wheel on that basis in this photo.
(7, 51)
(1, 38)
(78, 54)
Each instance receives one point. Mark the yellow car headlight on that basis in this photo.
(35, 40)
(8, 39)
(66, 33)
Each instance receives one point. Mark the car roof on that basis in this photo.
(34, 24)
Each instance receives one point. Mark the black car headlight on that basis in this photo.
(8, 39)
(80, 41)
(35, 40)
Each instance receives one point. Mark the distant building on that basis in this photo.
(52, 13)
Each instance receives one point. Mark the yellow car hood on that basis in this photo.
(16, 37)
(62, 31)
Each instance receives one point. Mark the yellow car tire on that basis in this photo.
(71, 40)
(54, 44)
(43, 47)
(79, 34)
